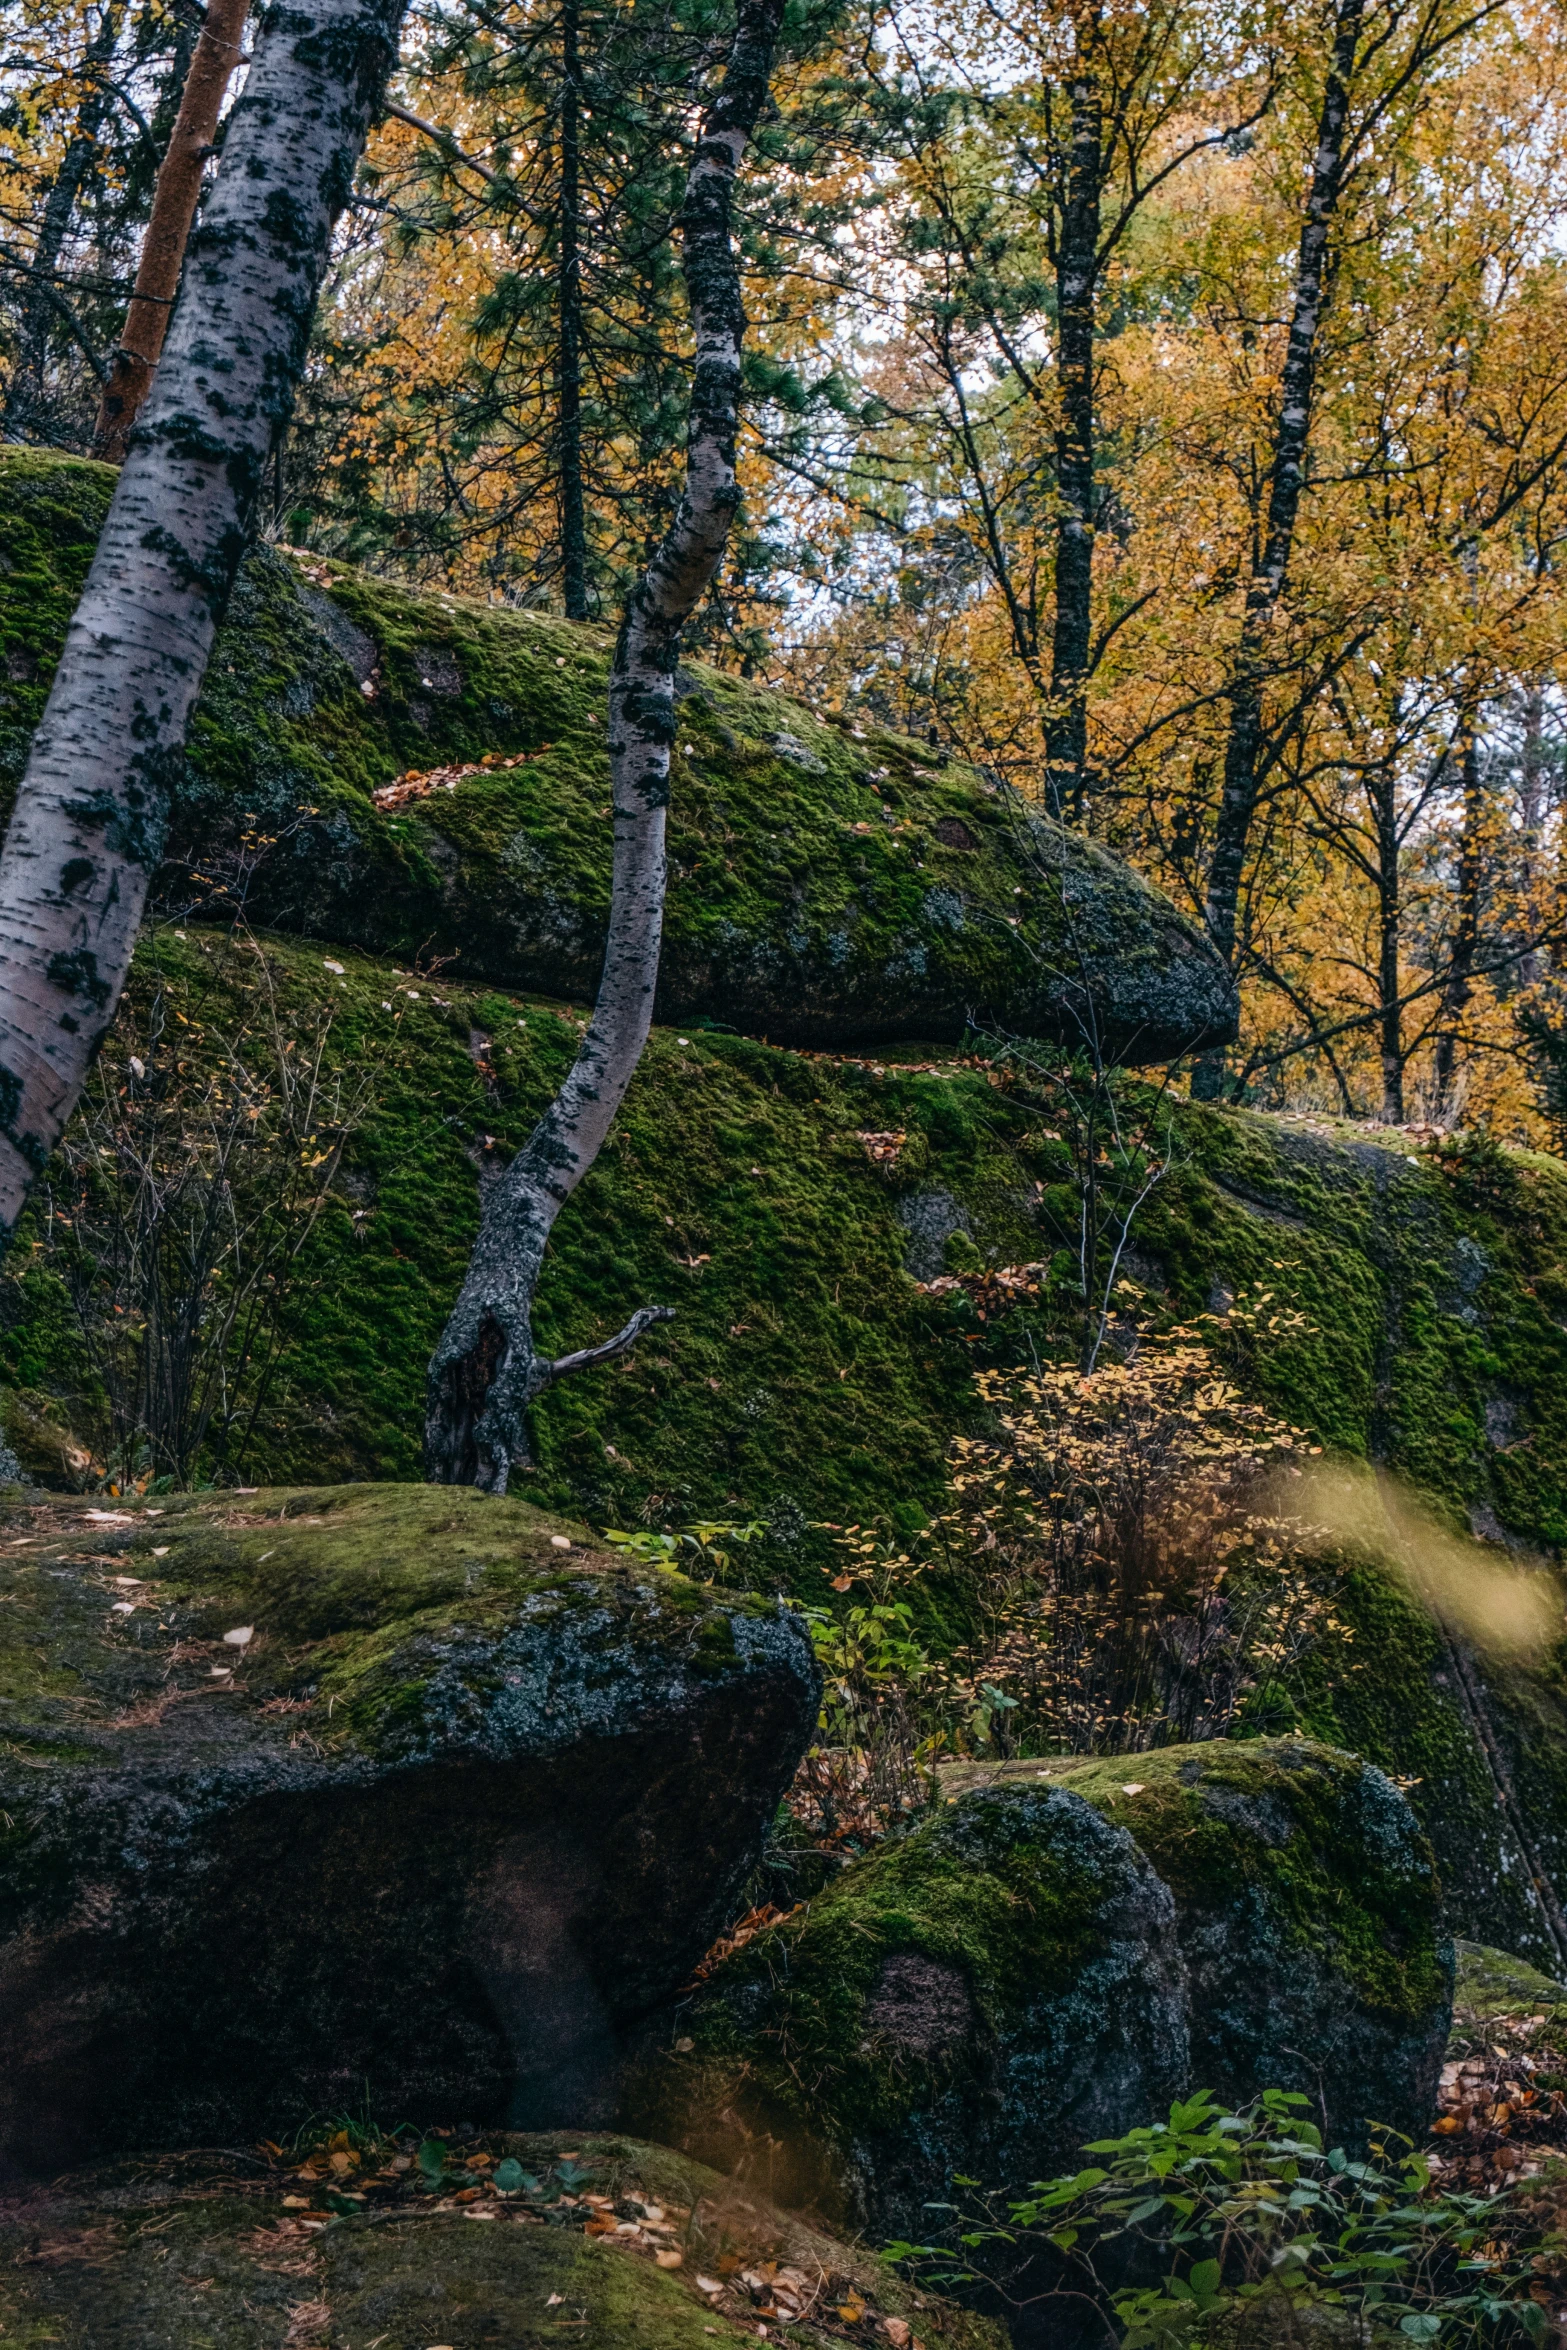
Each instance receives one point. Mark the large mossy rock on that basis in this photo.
(1307, 1911)
(202, 2252)
(826, 886)
(460, 1811)
(1420, 1296)
(1048, 1957)
(975, 1999)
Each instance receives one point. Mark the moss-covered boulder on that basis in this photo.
(826, 885)
(975, 1999)
(1307, 1912)
(394, 1792)
(1047, 1958)
(1418, 1311)
(610, 2244)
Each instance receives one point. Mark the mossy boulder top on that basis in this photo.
(305, 1791)
(609, 2244)
(1053, 1952)
(826, 886)
(1307, 1908)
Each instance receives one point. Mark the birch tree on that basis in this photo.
(88, 828)
(486, 1370)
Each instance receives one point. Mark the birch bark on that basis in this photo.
(89, 822)
(486, 1370)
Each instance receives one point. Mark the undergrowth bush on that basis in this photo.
(1220, 2226)
(178, 1212)
(1118, 1569)
(1123, 1570)
(1126, 1559)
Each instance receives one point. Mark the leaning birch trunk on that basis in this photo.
(168, 231)
(486, 1370)
(91, 811)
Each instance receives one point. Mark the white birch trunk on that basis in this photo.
(486, 1371)
(88, 828)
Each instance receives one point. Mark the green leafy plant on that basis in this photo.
(1247, 2217)
(699, 1549)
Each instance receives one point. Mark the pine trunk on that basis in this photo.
(168, 231)
(1077, 270)
(486, 1370)
(573, 522)
(88, 829)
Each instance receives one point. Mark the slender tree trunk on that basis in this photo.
(168, 230)
(1466, 934)
(573, 525)
(88, 828)
(1384, 808)
(1077, 271)
(1287, 480)
(486, 1370)
(1532, 810)
(24, 402)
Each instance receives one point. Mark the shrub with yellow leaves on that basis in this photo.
(1129, 1571)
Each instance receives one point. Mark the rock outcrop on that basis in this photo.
(1306, 1909)
(226, 2250)
(384, 1793)
(1053, 1953)
(1415, 1291)
(827, 887)
(976, 1998)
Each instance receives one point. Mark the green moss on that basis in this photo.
(198, 2251)
(974, 1998)
(824, 883)
(1275, 1832)
(1013, 1912)
(1494, 1983)
(386, 1607)
(804, 1367)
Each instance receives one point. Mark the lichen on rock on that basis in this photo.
(1307, 1909)
(977, 1997)
(371, 1791)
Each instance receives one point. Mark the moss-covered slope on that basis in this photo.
(806, 1364)
(825, 885)
(809, 1377)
